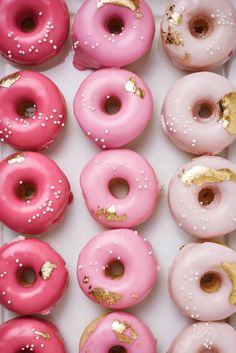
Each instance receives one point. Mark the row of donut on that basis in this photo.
(195, 40)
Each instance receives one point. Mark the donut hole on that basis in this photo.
(112, 105)
(27, 21)
(200, 26)
(115, 269)
(212, 350)
(25, 350)
(119, 188)
(26, 277)
(26, 191)
(203, 111)
(26, 109)
(117, 349)
(115, 25)
(209, 197)
(211, 282)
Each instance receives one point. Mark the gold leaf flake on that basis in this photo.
(173, 37)
(86, 279)
(105, 296)
(110, 214)
(131, 86)
(133, 5)
(186, 57)
(46, 270)
(120, 327)
(230, 269)
(16, 158)
(45, 335)
(9, 80)
(227, 106)
(175, 19)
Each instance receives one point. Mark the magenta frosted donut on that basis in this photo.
(113, 107)
(108, 271)
(205, 337)
(199, 35)
(29, 268)
(119, 167)
(34, 192)
(202, 281)
(117, 331)
(32, 31)
(197, 114)
(104, 28)
(202, 197)
(32, 110)
(30, 335)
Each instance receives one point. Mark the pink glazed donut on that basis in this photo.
(30, 335)
(117, 332)
(112, 33)
(108, 271)
(202, 197)
(32, 31)
(202, 281)
(34, 193)
(32, 110)
(113, 107)
(198, 114)
(119, 166)
(206, 338)
(199, 35)
(33, 276)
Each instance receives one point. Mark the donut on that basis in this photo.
(29, 268)
(108, 271)
(117, 332)
(25, 334)
(32, 31)
(202, 197)
(198, 113)
(112, 33)
(205, 337)
(120, 167)
(199, 35)
(32, 110)
(34, 192)
(113, 107)
(202, 281)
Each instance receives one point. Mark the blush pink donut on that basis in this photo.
(117, 330)
(205, 337)
(202, 281)
(112, 33)
(22, 127)
(34, 192)
(199, 35)
(98, 276)
(126, 166)
(113, 89)
(202, 197)
(27, 334)
(32, 31)
(190, 98)
(50, 277)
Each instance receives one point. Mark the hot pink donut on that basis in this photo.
(30, 335)
(202, 197)
(32, 31)
(31, 257)
(117, 332)
(108, 272)
(202, 281)
(199, 35)
(205, 337)
(34, 192)
(125, 166)
(113, 107)
(198, 113)
(112, 33)
(32, 110)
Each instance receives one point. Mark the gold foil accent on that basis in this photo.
(89, 330)
(186, 57)
(86, 279)
(227, 107)
(46, 270)
(104, 296)
(9, 80)
(16, 158)
(133, 5)
(174, 18)
(173, 37)
(131, 86)
(230, 269)
(45, 335)
(119, 327)
(110, 214)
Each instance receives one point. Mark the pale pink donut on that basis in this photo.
(113, 130)
(96, 46)
(38, 130)
(199, 35)
(196, 266)
(205, 337)
(121, 330)
(127, 166)
(48, 28)
(202, 197)
(25, 334)
(123, 290)
(48, 266)
(181, 108)
(34, 192)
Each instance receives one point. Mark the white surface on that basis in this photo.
(72, 151)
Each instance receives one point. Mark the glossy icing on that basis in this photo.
(206, 49)
(126, 165)
(96, 46)
(106, 130)
(40, 130)
(50, 29)
(48, 204)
